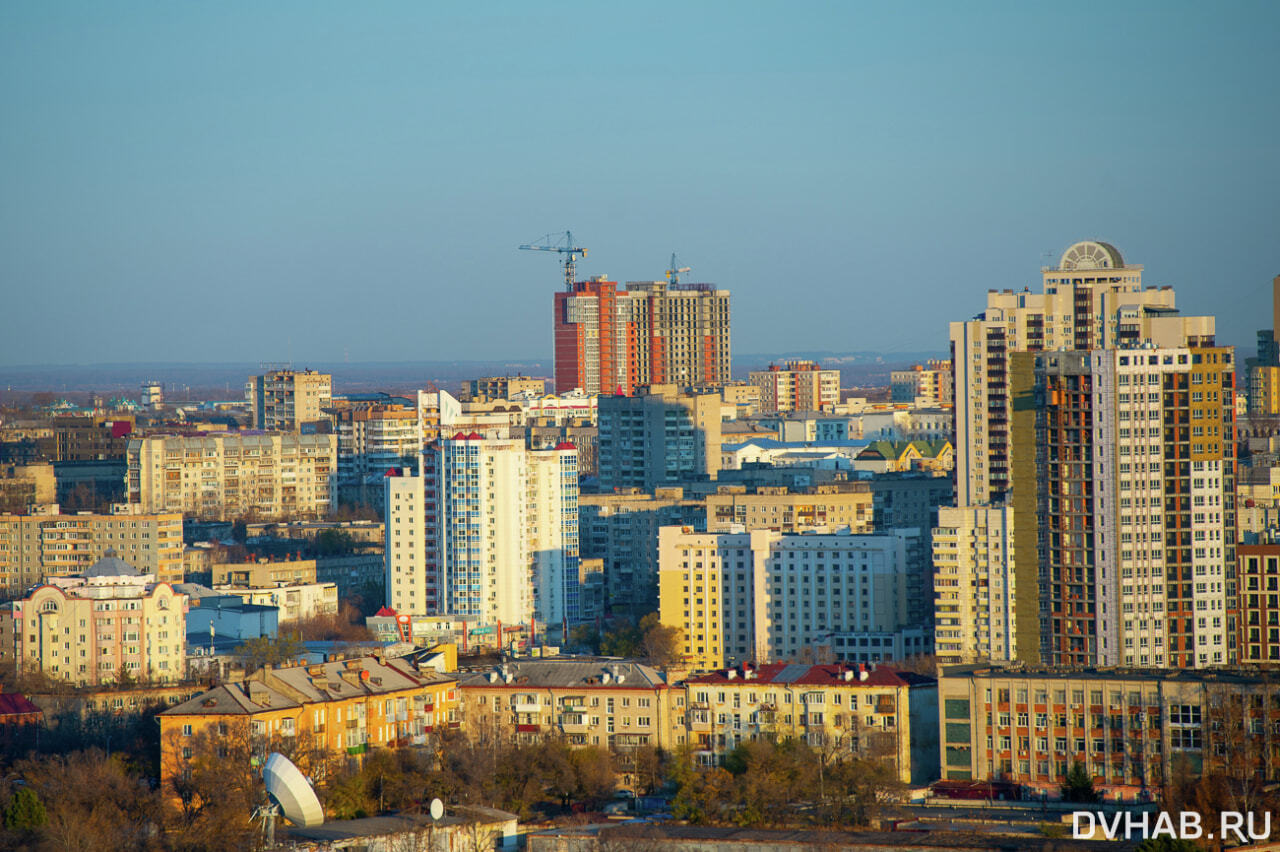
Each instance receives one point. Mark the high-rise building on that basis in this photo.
(488, 532)
(284, 400)
(609, 340)
(373, 439)
(796, 386)
(276, 476)
(974, 585)
(1091, 300)
(1135, 457)
(767, 596)
(657, 437)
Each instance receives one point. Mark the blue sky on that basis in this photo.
(313, 181)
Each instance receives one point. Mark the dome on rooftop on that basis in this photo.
(111, 565)
(1091, 254)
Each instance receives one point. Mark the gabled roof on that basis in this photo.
(15, 704)
(568, 674)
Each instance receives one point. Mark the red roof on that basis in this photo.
(566, 445)
(461, 436)
(474, 436)
(391, 471)
(14, 704)
(813, 676)
(384, 612)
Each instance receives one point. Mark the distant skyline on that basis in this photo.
(326, 181)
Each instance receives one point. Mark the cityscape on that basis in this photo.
(867, 551)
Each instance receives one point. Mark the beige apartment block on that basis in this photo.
(778, 508)
(111, 621)
(607, 703)
(275, 476)
(49, 544)
(974, 585)
(283, 400)
(841, 711)
(797, 386)
(264, 572)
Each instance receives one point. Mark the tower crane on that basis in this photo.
(564, 247)
(673, 274)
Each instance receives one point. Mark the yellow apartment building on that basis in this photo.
(777, 508)
(841, 710)
(343, 708)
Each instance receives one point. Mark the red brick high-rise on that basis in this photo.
(653, 332)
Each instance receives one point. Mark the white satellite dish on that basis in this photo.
(437, 809)
(289, 788)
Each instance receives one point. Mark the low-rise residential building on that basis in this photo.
(337, 708)
(768, 596)
(1133, 730)
(263, 573)
(108, 623)
(296, 601)
(609, 703)
(936, 457)
(842, 710)
(271, 476)
(47, 543)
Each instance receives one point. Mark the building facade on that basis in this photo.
(787, 511)
(767, 596)
(107, 623)
(373, 439)
(842, 711)
(285, 400)
(267, 476)
(489, 531)
(974, 585)
(1135, 458)
(609, 340)
(49, 544)
(925, 385)
(797, 386)
(658, 437)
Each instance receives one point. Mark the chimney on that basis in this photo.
(862, 671)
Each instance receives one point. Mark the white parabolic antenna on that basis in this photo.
(437, 809)
(292, 791)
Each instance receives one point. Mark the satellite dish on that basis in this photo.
(292, 791)
(437, 809)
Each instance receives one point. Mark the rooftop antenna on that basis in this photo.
(564, 247)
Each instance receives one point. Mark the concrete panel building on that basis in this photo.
(286, 400)
(974, 585)
(658, 437)
(797, 386)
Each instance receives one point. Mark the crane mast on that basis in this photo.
(564, 247)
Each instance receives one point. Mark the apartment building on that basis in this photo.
(769, 596)
(295, 601)
(615, 704)
(286, 400)
(657, 437)
(1135, 459)
(1132, 729)
(865, 711)
(331, 709)
(268, 476)
(1091, 300)
(609, 340)
(780, 508)
(47, 543)
(373, 439)
(974, 585)
(1259, 590)
(924, 385)
(797, 386)
(621, 529)
(107, 622)
(501, 387)
(25, 485)
(263, 572)
(489, 531)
